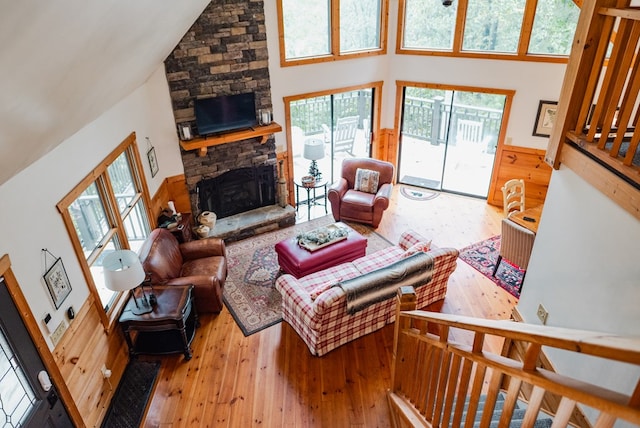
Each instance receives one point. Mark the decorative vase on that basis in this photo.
(207, 218)
(202, 231)
(282, 187)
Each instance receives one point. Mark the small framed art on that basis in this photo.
(545, 119)
(153, 161)
(57, 282)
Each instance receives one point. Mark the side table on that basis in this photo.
(312, 196)
(169, 328)
(183, 231)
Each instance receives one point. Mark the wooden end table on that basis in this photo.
(168, 329)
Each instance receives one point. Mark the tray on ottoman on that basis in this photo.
(298, 261)
(331, 234)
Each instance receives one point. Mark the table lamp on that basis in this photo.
(123, 272)
(314, 151)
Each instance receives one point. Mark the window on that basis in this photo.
(493, 26)
(557, 18)
(429, 25)
(359, 25)
(325, 30)
(107, 211)
(505, 29)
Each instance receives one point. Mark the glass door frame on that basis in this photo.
(376, 87)
(400, 90)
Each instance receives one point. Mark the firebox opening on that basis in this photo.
(238, 191)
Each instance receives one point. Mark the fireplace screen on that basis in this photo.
(237, 191)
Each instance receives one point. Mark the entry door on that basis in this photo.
(448, 139)
(23, 401)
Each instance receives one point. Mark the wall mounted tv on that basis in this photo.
(225, 113)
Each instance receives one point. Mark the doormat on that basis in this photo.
(129, 403)
(417, 195)
(249, 293)
(420, 182)
(482, 257)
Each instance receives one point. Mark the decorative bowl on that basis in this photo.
(308, 181)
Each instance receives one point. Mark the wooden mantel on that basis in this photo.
(203, 143)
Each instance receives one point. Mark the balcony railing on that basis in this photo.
(599, 112)
(423, 119)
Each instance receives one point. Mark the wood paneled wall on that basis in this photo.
(172, 189)
(520, 162)
(85, 347)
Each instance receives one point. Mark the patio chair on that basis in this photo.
(344, 134)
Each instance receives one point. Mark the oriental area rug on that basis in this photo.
(249, 293)
(482, 256)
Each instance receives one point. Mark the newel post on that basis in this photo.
(406, 300)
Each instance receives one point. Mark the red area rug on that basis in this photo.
(482, 257)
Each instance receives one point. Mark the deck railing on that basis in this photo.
(437, 381)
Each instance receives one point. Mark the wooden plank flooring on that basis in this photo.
(270, 379)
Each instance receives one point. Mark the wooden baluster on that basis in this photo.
(405, 301)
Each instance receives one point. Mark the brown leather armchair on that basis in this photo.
(353, 205)
(202, 263)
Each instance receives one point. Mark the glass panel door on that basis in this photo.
(423, 137)
(448, 139)
(474, 126)
(340, 122)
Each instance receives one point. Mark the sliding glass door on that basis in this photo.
(329, 128)
(448, 139)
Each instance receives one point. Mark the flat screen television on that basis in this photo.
(225, 113)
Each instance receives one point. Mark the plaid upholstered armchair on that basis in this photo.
(516, 243)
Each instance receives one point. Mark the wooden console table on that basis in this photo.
(203, 143)
(168, 329)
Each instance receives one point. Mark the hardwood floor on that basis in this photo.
(270, 379)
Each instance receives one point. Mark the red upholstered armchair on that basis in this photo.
(362, 196)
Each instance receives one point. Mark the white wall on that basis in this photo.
(584, 270)
(30, 220)
(531, 81)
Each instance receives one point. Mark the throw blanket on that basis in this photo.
(382, 284)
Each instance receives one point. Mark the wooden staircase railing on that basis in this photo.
(597, 124)
(437, 382)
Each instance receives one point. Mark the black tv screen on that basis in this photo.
(225, 113)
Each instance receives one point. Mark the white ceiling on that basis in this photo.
(62, 64)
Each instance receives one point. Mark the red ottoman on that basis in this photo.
(297, 261)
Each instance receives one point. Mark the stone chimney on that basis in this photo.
(223, 53)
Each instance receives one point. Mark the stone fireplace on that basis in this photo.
(223, 53)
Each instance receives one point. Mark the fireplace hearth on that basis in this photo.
(238, 191)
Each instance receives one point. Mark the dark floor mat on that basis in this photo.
(130, 400)
(420, 182)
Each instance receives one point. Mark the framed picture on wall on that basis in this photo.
(57, 282)
(153, 161)
(545, 119)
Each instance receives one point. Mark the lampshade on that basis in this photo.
(313, 149)
(122, 270)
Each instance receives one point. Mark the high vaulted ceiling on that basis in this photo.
(65, 63)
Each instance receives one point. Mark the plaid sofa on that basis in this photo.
(316, 308)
